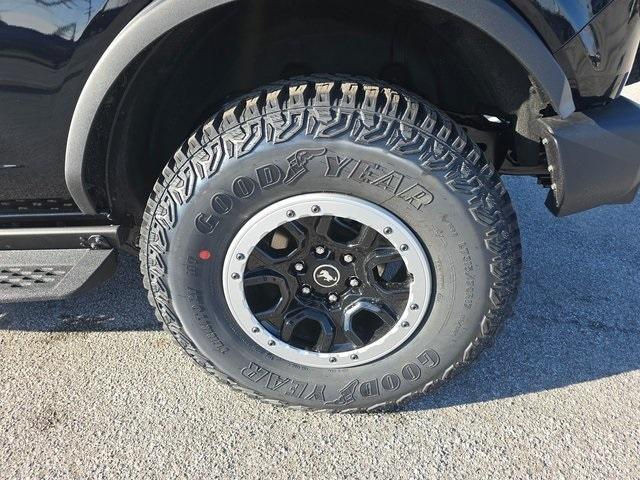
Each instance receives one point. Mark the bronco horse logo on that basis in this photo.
(326, 275)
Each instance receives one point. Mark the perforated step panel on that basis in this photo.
(38, 275)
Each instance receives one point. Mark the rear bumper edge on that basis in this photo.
(594, 157)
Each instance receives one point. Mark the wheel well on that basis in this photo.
(189, 73)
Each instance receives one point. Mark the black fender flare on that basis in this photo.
(494, 17)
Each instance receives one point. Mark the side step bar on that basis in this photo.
(38, 275)
(58, 238)
(38, 264)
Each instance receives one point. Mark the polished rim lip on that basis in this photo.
(339, 205)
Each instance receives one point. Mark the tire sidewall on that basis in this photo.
(242, 187)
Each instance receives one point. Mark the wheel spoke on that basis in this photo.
(382, 256)
(285, 243)
(365, 238)
(262, 258)
(386, 271)
(353, 337)
(394, 299)
(336, 315)
(297, 230)
(325, 341)
(322, 226)
(367, 319)
(348, 226)
(396, 289)
(383, 313)
(257, 261)
(265, 284)
(308, 224)
(271, 317)
(309, 327)
(341, 323)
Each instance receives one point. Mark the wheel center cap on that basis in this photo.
(326, 275)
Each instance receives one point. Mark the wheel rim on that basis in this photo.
(327, 280)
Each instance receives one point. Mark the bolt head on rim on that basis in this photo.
(399, 236)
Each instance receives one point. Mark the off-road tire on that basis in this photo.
(470, 230)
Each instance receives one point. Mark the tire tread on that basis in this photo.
(328, 106)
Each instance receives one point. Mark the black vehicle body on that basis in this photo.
(77, 77)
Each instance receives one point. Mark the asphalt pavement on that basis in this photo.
(92, 387)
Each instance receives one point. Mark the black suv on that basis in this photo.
(313, 186)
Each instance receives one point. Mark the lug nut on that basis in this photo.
(320, 250)
(404, 324)
(354, 357)
(306, 290)
(333, 298)
(235, 276)
(299, 266)
(387, 230)
(240, 256)
(315, 209)
(404, 248)
(291, 213)
(354, 282)
(347, 258)
(414, 306)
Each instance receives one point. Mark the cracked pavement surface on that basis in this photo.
(92, 387)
